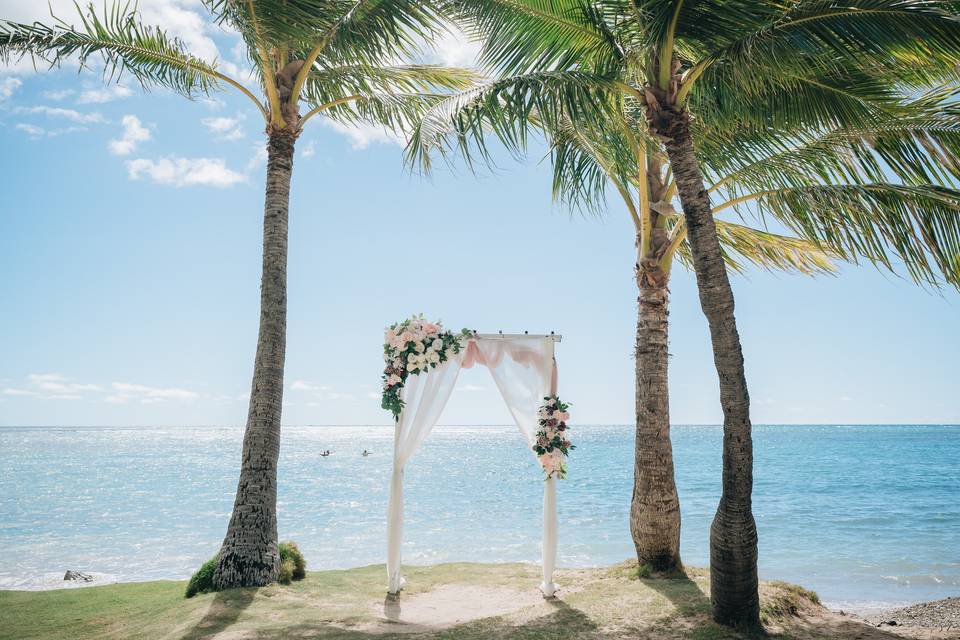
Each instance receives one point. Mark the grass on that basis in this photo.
(350, 605)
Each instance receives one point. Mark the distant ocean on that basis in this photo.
(868, 516)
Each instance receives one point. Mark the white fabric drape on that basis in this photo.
(524, 371)
(424, 398)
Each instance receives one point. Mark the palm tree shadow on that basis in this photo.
(563, 621)
(223, 611)
(682, 592)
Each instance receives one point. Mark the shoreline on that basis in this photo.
(462, 600)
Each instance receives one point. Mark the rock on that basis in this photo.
(77, 576)
(939, 614)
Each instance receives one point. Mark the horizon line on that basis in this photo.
(480, 424)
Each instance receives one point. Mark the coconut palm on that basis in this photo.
(761, 79)
(338, 58)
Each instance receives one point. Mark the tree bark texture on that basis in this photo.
(249, 555)
(655, 508)
(733, 534)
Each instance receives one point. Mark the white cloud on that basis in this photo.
(258, 158)
(454, 49)
(32, 130)
(184, 19)
(22, 66)
(45, 377)
(58, 95)
(180, 21)
(185, 172)
(133, 133)
(225, 128)
(104, 94)
(8, 86)
(212, 102)
(37, 132)
(305, 385)
(67, 114)
(55, 383)
(363, 135)
(54, 386)
(125, 391)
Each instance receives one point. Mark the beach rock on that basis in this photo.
(939, 614)
(77, 576)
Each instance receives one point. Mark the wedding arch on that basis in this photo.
(423, 363)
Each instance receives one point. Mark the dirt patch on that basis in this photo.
(450, 605)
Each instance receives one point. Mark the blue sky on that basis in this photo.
(130, 252)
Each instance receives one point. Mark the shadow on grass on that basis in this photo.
(224, 610)
(691, 602)
(562, 622)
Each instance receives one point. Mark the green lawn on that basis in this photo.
(455, 601)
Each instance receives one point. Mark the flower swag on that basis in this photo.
(411, 347)
(550, 443)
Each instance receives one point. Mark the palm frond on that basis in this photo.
(919, 146)
(916, 37)
(770, 251)
(325, 84)
(122, 44)
(504, 109)
(523, 35)
(585, 157)
(396, 112)
(918, 226)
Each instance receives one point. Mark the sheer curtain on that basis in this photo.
(524, 371)
(424, 398)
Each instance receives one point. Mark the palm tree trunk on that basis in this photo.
(733, 534)
(249, 555)
(655, 508)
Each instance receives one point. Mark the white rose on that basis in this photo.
(434, 357)
(412, 359)
(449, 353)
(437, 345)
(419, 347)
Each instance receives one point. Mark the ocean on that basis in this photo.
(866, 515)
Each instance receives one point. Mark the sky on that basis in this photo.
(130, 230)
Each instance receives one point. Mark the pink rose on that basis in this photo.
(562, 416)
(430, 328)
(548, 463)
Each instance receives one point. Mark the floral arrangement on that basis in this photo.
(411, 347)
(551, 444)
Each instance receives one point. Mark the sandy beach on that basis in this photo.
(460, 600)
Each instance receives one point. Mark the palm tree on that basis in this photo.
(587, 158)
(761, 78)
(338, 58)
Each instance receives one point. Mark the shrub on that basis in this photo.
(202, 580)
(289, 551)
(286, 571)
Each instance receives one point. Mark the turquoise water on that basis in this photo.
(866, 515)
